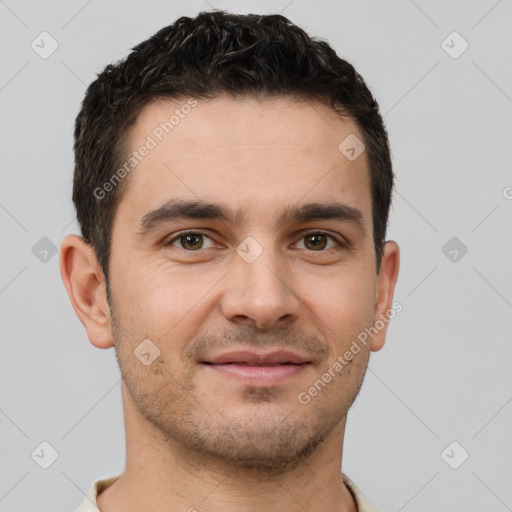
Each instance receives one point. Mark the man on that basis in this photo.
(232, 183)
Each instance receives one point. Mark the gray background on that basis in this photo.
(444, 374)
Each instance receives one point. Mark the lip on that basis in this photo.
(278, 357)
(259, 375)
(256, 369)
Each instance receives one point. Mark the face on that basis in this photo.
(242, 252)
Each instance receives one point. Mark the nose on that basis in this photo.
(260, 292)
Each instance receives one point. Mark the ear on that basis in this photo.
(386, 281)
(85, 284)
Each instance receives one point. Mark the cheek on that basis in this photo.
(344, 306)
(161, 303)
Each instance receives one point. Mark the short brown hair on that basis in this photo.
(203, 57)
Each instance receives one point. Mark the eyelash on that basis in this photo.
(183, 234)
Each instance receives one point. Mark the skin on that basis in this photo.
(196, 438)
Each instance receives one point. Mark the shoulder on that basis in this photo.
(363, 505)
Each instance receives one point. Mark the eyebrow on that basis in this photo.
(178, 209)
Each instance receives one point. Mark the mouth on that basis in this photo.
(256, 369)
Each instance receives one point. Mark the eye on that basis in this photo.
(190, 241)
(319, 240)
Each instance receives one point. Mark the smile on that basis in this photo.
(258, 374)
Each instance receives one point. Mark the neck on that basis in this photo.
(163, 475)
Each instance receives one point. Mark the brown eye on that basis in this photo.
(315, 241)
(189, 241)
(319, 241)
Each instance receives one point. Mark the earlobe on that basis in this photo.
(85, 284)
(386, 281)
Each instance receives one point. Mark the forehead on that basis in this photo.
(251, 153)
